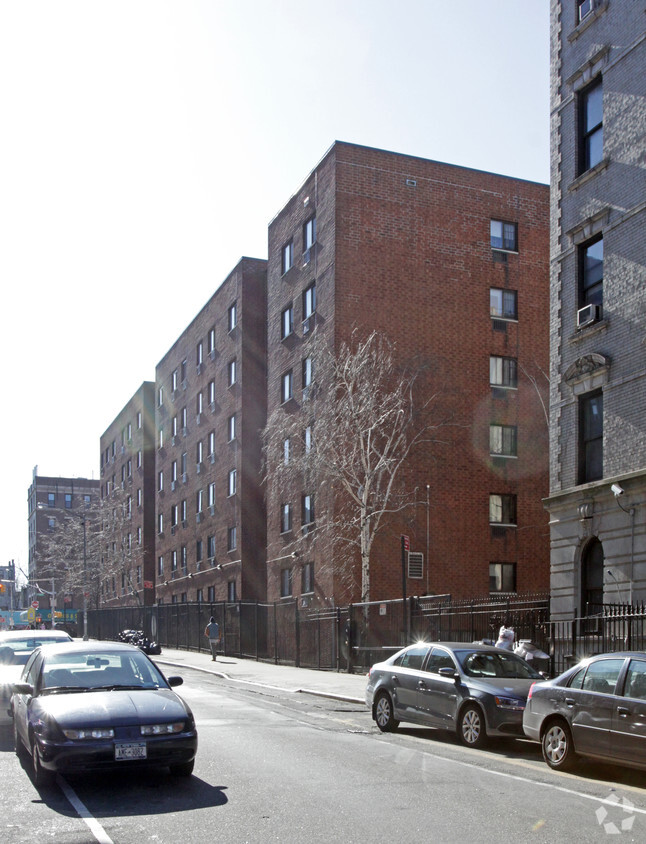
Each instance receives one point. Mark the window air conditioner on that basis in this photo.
(587, 315)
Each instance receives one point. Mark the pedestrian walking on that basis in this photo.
(212, 632)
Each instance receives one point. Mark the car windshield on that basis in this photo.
(501, 664)
(17, 651)
(99, 671)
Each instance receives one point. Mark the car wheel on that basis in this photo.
(183, 770)
(471, 727)
(41, 776)
(558, 747)
(384, 713)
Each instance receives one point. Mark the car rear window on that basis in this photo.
(602, 676)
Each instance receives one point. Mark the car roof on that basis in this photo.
(75, 647)
(459, 646)
(11, 635)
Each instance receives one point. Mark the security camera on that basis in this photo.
(616, 489)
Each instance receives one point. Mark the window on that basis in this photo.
(211, 443)
(287, 322)
(232, 482)
(287, 386)
(232, 372)
(160, 481)
(174, 380)
(212, 494)
(183, 510)
(585, 7)
(199, 403)
(211, 342)
(184, 418)
(309, 301)
(503, 303)
(285, 518)
(592, 562)
(502, 509)
(309, 234)
(199, 354)
(51, 524)
(307, 372)
(51, 499)
(200, 595)
(591, 273)
(231, 591)
(503, 372)
(173, 471)
(286, 450)
(160, 397)
(307, 511)
(68, 501)
(161, 438)
(160, 565)
(232, 320)
(502, 440)
(591, 123)
(307, 578)
(173, 561)
(160, 523)
(199, 551)
(232, 538)
(210, 547)
(183, 371)
(287, 256)
(199, 452)
(211, 593)
(503, 235)
(183, 465)
(211, 393)
(139, 421)
(502, 577)
(231, 427)
(139, 498)
(174, 427)
(285, 583)
(183, 557)
(199, 501)
(307, 439)
(590, 437)
(173, 515)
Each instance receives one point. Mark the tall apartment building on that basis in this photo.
(452, 265)
(127, 467)
(210, 409)
(597, 501)
(54, 505)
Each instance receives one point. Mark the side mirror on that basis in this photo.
(449, 672)
(175, 681)
(22, 689)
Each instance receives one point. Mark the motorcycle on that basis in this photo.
(137, 637)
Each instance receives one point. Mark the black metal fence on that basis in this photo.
(353, 638)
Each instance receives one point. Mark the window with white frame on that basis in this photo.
(503, 304)
(211, 443)
(309, 234)
(173, 471)
(307, 510)
(307, 439)
(502, 509)
(502, 577)
(231, 427)
(287, 386)
(285, 518)
(307, 578)
(307, 373)
(232, 372)
(174, 381)
(183, 510)
(160, 397)
(199, 354)
(199, 452)
(173, 515)
(211, 341)
(210, 547)
(285, 583)
(199, 550)
(160, 481)
(174, 426)
(199, 501)
(160, 523)
(591, 123)
(232, 538)
(502, 440)
(139, 420)
(287, 257)
(232, 320)
(199, 403)
(503, 235)
(231, 592)
(211, 393)
(309, 301)
(212, 494)
(160, 565)
(286, 450)
(503, 371)
(232, 481)
(287, 322)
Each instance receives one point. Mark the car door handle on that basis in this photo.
(421, 684)
(623, 711)
(570, 701)
(395, 679)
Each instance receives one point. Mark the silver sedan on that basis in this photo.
(475, 691)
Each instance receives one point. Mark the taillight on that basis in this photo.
(531, 689)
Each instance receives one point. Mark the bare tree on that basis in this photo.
(362, 418)
(87, 548)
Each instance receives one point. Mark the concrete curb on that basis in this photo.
(224, 676)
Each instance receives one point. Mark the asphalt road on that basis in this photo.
(274, 766)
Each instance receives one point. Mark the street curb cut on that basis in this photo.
(330, 695)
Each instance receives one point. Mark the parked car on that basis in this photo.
(100, 705)
(16, 646)
(475, 690)
(596, 709)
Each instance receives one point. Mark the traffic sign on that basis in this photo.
(34, 604)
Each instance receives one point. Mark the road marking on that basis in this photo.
(94, 826)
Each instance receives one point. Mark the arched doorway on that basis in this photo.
(592, 578)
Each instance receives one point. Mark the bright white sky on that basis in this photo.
(146, 145)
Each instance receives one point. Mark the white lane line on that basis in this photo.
(94, 826)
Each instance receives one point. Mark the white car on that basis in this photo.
(16, 647)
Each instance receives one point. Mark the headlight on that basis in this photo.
(161, 729)
(89, 734)
(510, 703)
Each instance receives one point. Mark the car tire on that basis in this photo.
(183, 770)
(384, 713)
(472, 731)
(41, 776)
(558, 746)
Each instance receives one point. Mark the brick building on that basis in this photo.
(598, 313)
(127, 466)
(452, 265)
(210, 408)
(56, 508)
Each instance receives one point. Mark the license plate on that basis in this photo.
(134, 750)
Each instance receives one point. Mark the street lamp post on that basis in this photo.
(85, 634)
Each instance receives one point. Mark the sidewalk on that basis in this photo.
(332, 684)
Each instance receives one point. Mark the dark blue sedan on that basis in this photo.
(99, 706)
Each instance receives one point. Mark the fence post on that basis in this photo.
(297, 631)
(349, 638)
(275, 636)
